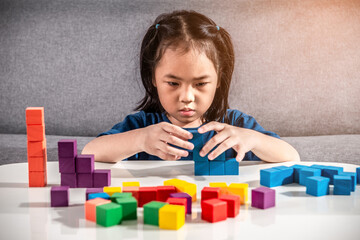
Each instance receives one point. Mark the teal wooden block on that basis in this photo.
(217, 167)
(202, 168)
(297, 168)
(231, 167)
(353, 179)
(317, 186)
(330, 172)
(342, 185)
(308, 172)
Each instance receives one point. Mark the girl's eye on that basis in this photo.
(201, 84)
(172, 83)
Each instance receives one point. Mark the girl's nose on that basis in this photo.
(187, 95)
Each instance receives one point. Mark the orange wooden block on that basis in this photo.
(35, 133)
(34, 116)
(37, 164)
(134, 190)
(36, 149)
(90, 207)
(37, 179)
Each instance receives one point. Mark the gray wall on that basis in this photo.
(297, 62)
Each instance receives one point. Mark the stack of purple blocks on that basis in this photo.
(78, 170)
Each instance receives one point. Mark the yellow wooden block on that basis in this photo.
(240, 189)
(182, 186)
(222, 185)
(171, 217)
(177, 183)
(131, 184)
(112, 190)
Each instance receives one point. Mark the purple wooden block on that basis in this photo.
(67, 148)
(93, 190)
(69, 179)
(188, 200)
(59, 196)
(67, 165)
(85, 163)
(85, 180)
(263, 197)
(102, 178)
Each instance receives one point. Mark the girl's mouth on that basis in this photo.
(187, 112)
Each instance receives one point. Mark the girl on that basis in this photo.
(186, 65)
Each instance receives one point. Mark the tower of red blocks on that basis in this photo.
(36, 146)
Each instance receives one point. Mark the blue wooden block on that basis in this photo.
(231, 167)
(197, 140)
(221, 157)
(217, 167)
(98, 195)
(287, 174)
(358, 175)
(270, 177)
(342, 185)
(317, 186)
(202, 168)
(308, 172)
(330, 171)
(297, 168)
(353, 179)
(322, 167)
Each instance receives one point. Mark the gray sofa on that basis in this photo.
(297, 68)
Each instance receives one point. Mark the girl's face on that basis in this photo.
(186, 85)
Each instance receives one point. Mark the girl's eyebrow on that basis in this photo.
(178, 78)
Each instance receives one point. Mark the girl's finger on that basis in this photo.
(213, 142)
(225, 145)
(216, 126)
(177, 131)
(174, 140)
(240, 156)
(166, 156)
(166, 148)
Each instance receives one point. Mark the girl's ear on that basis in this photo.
(154, 82)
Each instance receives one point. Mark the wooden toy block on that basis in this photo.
(90, 208)
(240, 189)
(68, 179)
(184, 196)
(342, 185)
(151, 212)
(197, 140)
(59, 196)
(209, 193)
(330, 171)
(214, 210)
(37, 164)
(37, 179)
(109, 214)
(102, 177)
(178, 201)
(308, 172)
(231, 167)
(183, 186)
(92, 190)
(67, 165)
(34, 116)
(263, 198)
(163, 192)
(131, 184)
(36, 149)
(217, 167)
(223, 187)
(270, 177)
(67, 148)
(202, 168)
(133, 190)
(287, 174)
(353, 179)
(129, 207)
(317, 186)
(116, 195)
(147, 194)
(84, 180)
(171, 217)
(99, 195)
(233, 204)
(322, 167)
(35, 133)
(358, 175)
(297, 168)
(85, 163)
(112, 190)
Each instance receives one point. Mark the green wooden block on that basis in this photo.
(109, 214)
(120, 195)
(129, 207)
(151, 212)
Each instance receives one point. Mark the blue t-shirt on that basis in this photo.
(142, 119)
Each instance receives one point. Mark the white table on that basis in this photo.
(25, 213)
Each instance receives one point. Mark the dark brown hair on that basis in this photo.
(188, 29)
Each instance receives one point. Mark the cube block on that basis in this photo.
(171, 217)
(37, 179)
(210, 193)
(240, 189)
(59, 196)
(69, 179)
(34, 116)
(67, 165)
(131, 184)
(217, 167)
(133, 190)
(233, 204)
(330, 172)
(67, 148)
(287, 174)
(85, 163)
(147, 194)
(151, 212)
(129, 207)
(263, 197)
(202, 168)
(188, 200)
(297, 168)
(353, 179)
(35, 133)
(92, 190)
(37, 164)
(102, 178)
(99, 195)
(231, 167)
(90, 208)
(177, 201)
(112, 190)
(317, 186)
(109, 214)
(342, 185)
(163, 192)
(214, 210)
(277, 176)
(116, 195)
(308, 172)
(84, 180)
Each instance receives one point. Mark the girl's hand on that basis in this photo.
(241, 140)
(158, 137)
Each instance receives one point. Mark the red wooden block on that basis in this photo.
(178, 201)
(37, 164)
(210, 192)
(37, 179)
(36, 149)
(233, 204)
(134, 190)
(147, 194)
(163, 192)
(35, 133)
(34, 116)
(213, 210)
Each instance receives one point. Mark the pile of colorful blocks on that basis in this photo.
(78, 170)
(316, 178)
(36, 146)
(164, 206)
(203, 166)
